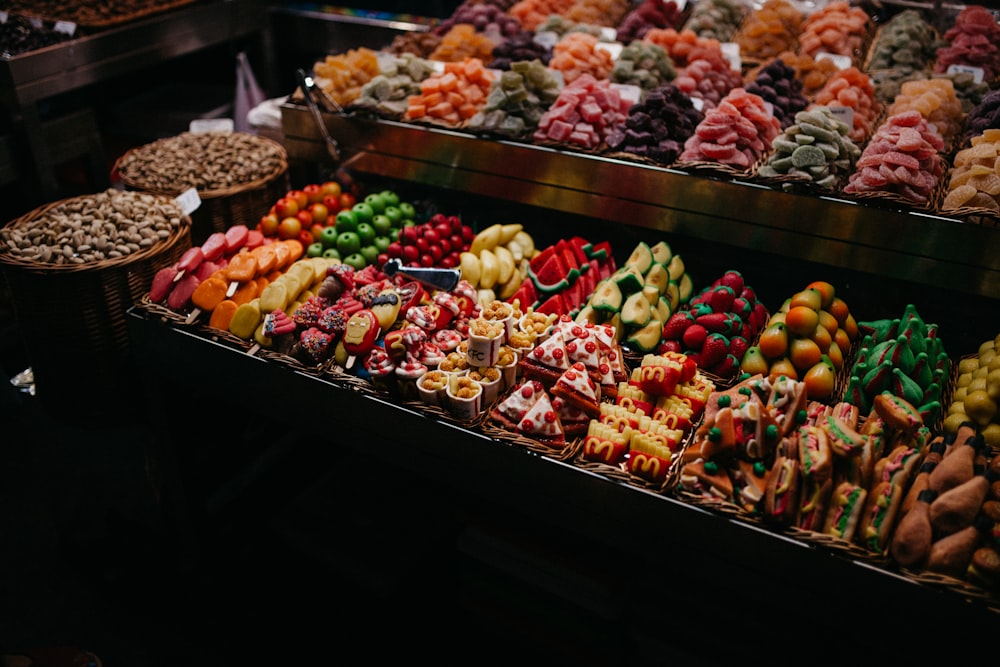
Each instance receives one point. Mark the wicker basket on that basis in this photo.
(221, 208)
(72, 319)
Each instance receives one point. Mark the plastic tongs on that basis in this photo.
(311, 92)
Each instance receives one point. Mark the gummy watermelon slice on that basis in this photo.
(555, 304)
(551, 275)
(526, 295)
(588, 280)
(599, 251)
(573, 296)
(541, 257)
(580, 246)
(568, 254)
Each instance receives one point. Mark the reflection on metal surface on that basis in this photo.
(919, 248)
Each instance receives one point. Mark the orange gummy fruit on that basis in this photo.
(820, 380)
(802, 320)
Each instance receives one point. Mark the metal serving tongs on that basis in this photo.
(429, 276)
(311, 92)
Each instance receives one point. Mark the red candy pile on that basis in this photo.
(738, 132)
(974, 41)
(902, 158)
(584, 113)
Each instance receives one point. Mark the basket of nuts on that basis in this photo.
(73, 268)
(238, 175)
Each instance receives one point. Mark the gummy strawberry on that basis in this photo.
(738, 346)
(677, 324)
(713, 350)
(724, 323)
(721, 299)
(759, 317)
(669, 345)
(694, 336)
(734, 280)
(725, 368)
(742, 307)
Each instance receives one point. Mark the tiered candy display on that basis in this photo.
(790, 58)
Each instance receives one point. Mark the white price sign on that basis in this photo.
(188, 201)
(976, 72)
(203, 125)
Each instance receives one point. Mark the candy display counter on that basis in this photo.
(676, 565)
(684, 575)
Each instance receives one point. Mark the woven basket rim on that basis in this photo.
(12, 261)
(260, 181)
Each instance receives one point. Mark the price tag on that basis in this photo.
(731, 52)
(203, 125)
(546, 39)
(188, 201)
(842, 62)
(35, 23)
(698, 103)
(629, 92)
(608, 34)
(976, 72)
(614, 48)
(846, 114)
(65, 27)
(3, 16)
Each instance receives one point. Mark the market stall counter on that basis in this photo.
(671, 560)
